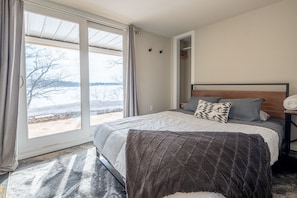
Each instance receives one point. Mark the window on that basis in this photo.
(52, 75)
(73, 71)
(105, 75)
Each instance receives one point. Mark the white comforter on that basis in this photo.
(110, 138)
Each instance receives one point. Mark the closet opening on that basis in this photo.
(183, 68)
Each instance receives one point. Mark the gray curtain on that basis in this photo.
(130, 98)
(11, 16)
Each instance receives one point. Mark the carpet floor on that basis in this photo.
(76, 172)
(3, 185)
(284, 177)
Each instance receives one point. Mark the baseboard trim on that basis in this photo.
(52, 148)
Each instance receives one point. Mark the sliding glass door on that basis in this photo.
(105, 73)
(52, 87)
(72, 80)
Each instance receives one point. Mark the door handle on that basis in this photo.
(21, 81)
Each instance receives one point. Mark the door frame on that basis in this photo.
(176, 66)
(44, 144)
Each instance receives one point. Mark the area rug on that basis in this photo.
(76, 172)
(73, 172)
(3, 185)
(284, 177)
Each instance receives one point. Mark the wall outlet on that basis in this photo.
(151, 107)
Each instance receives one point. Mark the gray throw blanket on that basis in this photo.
(163, 163)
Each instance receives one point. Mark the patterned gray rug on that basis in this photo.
(284, 177)
(3, 185)
(76, 172)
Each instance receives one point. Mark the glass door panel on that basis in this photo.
(105, 76)
(52, 68)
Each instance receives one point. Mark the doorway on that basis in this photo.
(183, 67)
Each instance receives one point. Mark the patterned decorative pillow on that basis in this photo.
(213, 111)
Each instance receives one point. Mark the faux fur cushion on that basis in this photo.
(213, 111)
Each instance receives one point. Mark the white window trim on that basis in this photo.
(35, 40)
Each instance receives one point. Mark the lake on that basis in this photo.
(103, 99)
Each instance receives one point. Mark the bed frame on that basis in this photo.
(273, 105)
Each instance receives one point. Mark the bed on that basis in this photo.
(265, 122)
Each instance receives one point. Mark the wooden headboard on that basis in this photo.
(273, 103)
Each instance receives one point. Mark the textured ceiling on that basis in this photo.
(167, 17)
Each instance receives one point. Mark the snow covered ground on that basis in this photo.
(67, 100)
(60, 111)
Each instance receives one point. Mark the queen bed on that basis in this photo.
(249, 130)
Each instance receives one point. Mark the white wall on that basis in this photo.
(153, 72)
(259, 46)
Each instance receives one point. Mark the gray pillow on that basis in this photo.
(193, 102)
(247, 109)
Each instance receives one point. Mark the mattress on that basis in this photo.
(110, 138)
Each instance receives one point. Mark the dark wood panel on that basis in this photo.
(273, 103)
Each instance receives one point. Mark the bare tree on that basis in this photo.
(43, 74)
(101, 92)
(115, 63)
(117, 78)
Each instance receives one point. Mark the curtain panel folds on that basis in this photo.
(11, 16)
(130, 98)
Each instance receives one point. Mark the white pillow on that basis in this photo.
(213, 111)
(264, 116)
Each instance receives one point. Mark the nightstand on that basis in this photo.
(288, 122)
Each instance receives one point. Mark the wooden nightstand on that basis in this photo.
(288, 122)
